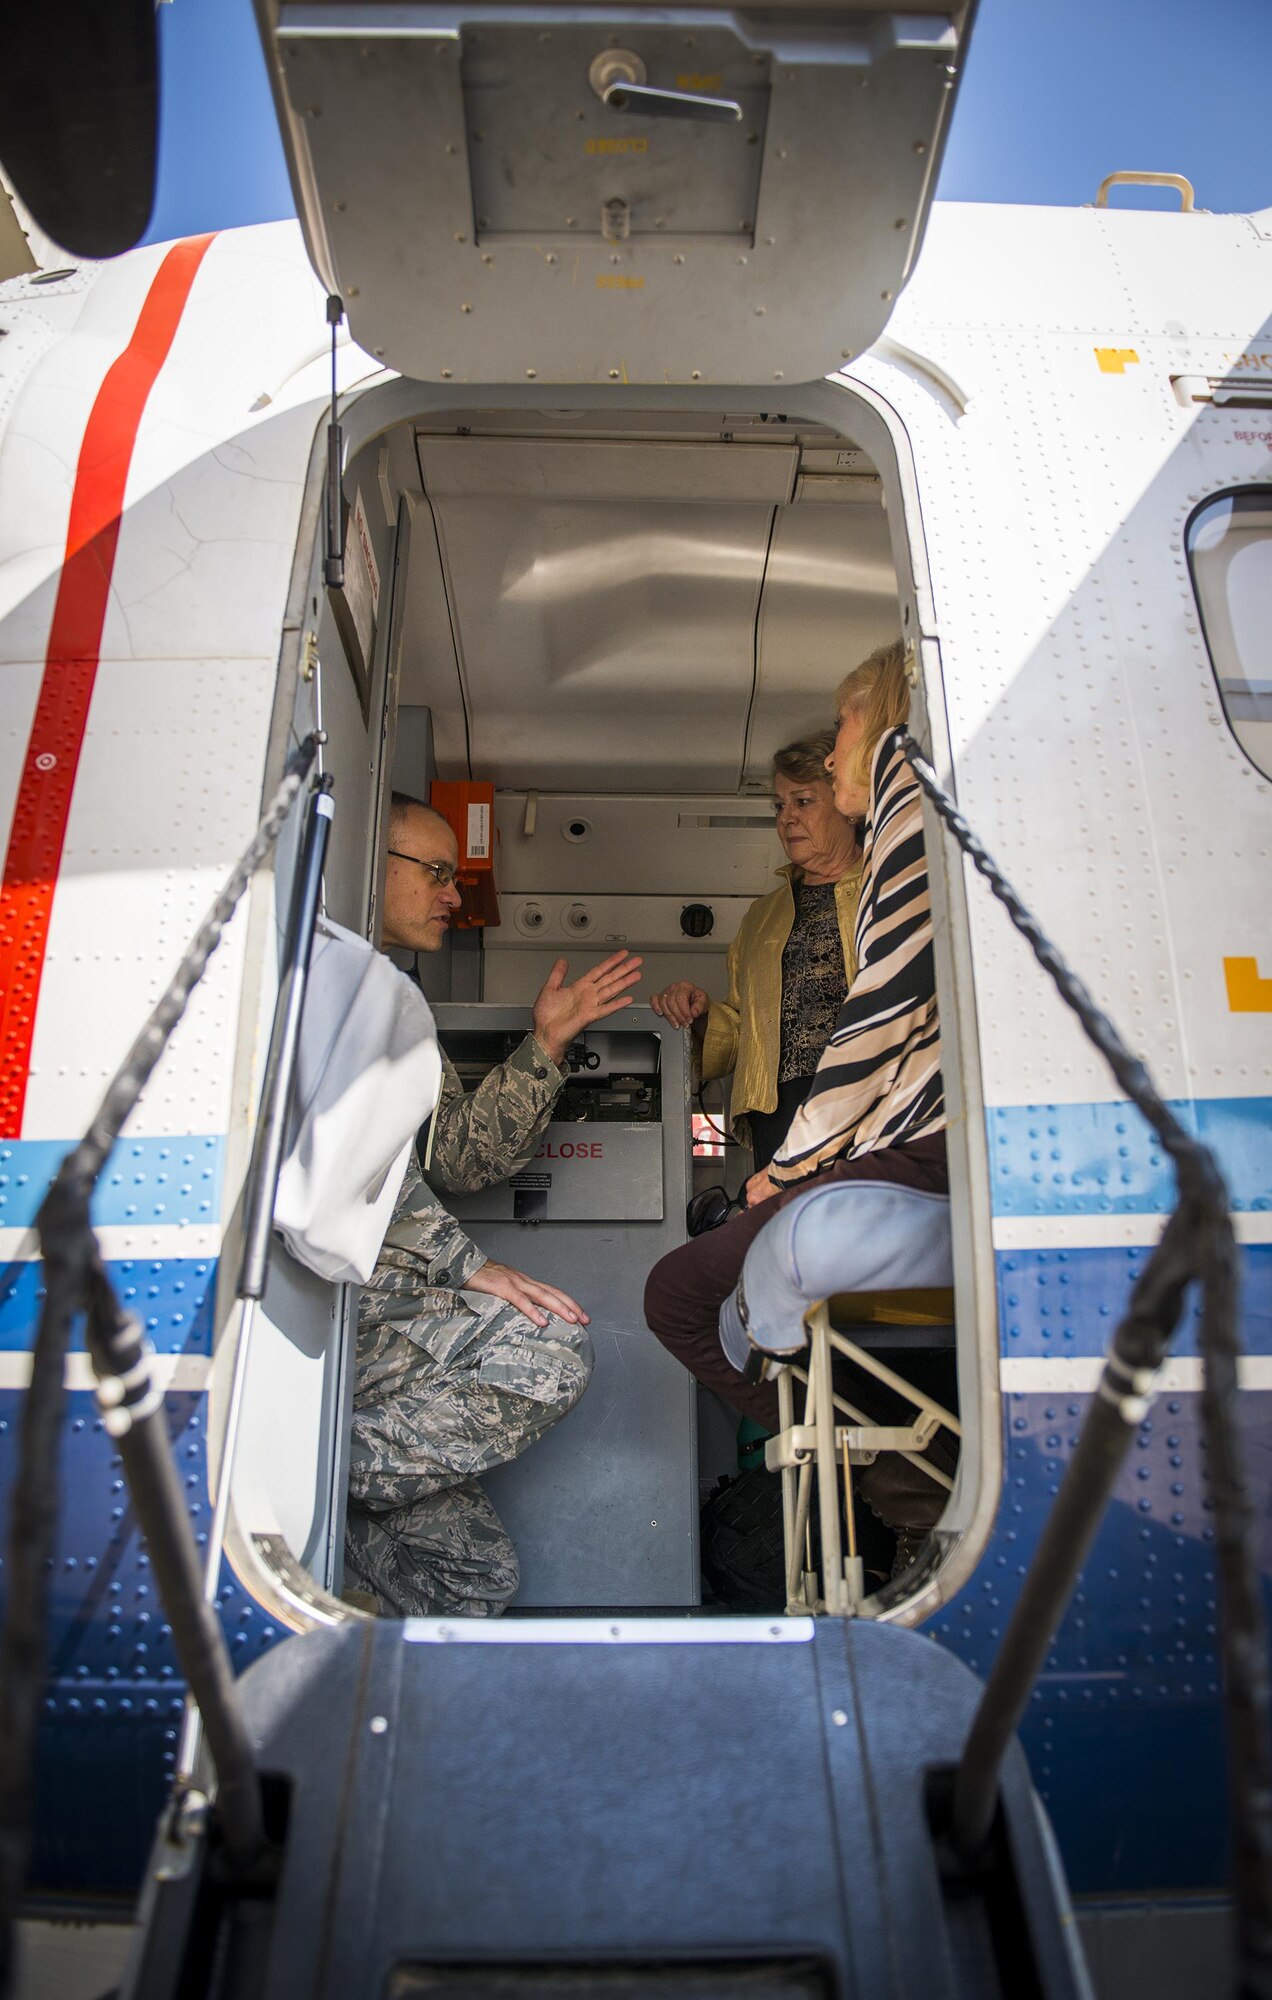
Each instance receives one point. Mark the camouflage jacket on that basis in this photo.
(482, 1136)
(424, 1260)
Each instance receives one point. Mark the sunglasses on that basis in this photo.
(444, 873)
(708, 1209)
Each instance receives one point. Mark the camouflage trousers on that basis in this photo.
(439, 1399)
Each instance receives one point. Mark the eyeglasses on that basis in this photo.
(444, 873)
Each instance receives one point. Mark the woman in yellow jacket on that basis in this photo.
(791, 963)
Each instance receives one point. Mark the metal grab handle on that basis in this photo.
(262, 1190)
(280, 1066)
(1184, 188)
(655, 103)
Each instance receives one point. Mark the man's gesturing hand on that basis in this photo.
(561, 1012)
(535, 1299)
(682, 1003)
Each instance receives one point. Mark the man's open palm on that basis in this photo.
(561, 1012)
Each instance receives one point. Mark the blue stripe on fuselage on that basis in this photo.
(1064, 1303)
(1101, 1159)
(171, 1296)
(146, 1182)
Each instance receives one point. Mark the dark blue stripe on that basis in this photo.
(112, 1696)
(1062, 1303)
(171, 1296)
(1124, 1727)
(1101, 1159)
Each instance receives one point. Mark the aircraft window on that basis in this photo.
(1229, 543)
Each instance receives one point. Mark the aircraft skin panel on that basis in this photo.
(22, 680)
(1100, 1159)
(1091, 752)
(129, 896)
(1124, 1731)
(83, 323)
(1131, 1686)
(1093, 757)
(157, 742)
(169, 765)
(113, 1707)
(1069, 632)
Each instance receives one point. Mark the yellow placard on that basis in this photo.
(1248, 993)
(614, 281)
(616, 145)
(1115, 360)
(691, 80)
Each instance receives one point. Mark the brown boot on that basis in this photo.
(905, 1499)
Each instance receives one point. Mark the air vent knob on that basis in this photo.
(697, 920)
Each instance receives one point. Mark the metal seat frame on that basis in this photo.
(823, 1448)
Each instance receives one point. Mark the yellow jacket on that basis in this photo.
(744, 1032)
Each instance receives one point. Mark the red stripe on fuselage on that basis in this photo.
(38, 833)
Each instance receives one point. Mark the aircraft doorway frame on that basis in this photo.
(375, 408)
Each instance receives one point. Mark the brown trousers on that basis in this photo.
(686, 1289)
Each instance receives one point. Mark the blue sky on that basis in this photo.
(1057, 94)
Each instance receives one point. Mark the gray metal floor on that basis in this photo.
(604, 1509)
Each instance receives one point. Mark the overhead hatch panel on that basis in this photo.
(635, 194)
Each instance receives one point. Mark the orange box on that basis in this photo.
(468, 805)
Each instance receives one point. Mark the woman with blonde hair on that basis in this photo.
(878, 1084)
(875, 1108)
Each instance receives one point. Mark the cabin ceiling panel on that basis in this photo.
(604, 642)
(586, 614)
(830, 597)
(569, 469)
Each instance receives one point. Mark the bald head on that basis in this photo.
(405, 811)
(417, 906)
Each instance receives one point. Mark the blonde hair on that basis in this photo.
(878, 691)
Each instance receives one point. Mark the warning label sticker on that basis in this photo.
(540, 1183)
(478, 842)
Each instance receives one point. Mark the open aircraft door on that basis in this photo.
(637, 194)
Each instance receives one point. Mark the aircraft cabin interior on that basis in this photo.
(612, 619)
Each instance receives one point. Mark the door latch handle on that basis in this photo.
(656, 103)
(618, 78)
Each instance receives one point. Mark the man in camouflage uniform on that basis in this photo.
(462, 1363)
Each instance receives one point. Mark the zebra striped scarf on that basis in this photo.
(878, 1083)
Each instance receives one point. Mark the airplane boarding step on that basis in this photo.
(693, 1806)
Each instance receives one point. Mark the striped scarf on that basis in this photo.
(878, 1083)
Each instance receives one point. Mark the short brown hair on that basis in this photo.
(804, 762)
(879, 691)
